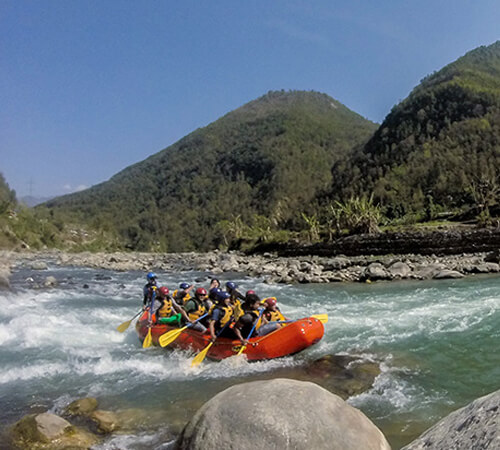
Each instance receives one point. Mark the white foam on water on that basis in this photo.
(33, 371)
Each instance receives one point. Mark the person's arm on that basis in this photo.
(180, 310)
(237, 331)
(211, 328)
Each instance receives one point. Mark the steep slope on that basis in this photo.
(270, 157)
(438, 149)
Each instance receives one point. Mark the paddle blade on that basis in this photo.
(148, 340)
(198, 359)
(241, 350)
(121, 328)
(170, 336)
(323, 318)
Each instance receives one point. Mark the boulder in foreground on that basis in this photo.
(279, 414)
(473, 427)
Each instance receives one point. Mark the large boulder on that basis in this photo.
(279, 414)
(474, 427)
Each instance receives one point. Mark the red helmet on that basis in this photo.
(271, 301)
(164, 291)
(250, 292)
(201, 291)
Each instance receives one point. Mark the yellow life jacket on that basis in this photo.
(238, 310)
(166, 308)
(257, 315)
(274, 316)
(181, 301)
(196, 314)
(228, 313)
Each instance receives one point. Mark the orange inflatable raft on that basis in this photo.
(289, 339)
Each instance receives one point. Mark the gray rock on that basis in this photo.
(50, 281)
(399, 270)
(376, 271)
(474, 427)
(445, 274)
(279, 414)
(336, 263)
(38, 265)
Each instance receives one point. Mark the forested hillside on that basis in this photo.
(438, 150)
(260, 164)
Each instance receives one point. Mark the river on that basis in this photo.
(436, 341)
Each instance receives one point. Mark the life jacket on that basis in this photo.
(166, 308)
(238, 309)
(228, 313)
(274, 316)
(196, 314)
(181, 301)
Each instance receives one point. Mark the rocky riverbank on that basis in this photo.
(270, 267)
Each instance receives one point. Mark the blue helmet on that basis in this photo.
(221, 296)
(183, 285)
(214, 292)
(151, 276)
(231, 286)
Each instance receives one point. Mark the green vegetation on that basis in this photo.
(267, 159)
(438, 151)
(295, 165)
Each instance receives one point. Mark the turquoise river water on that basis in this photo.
(437, 343)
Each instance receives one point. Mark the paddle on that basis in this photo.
(172, 335)
(121, 328)
(198, 359)
(243, 347)
(148, 340)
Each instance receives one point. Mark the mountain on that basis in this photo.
(31, 201)
(268, 158)
(439, 149)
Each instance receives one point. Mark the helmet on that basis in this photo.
(271, 301)
(214, 292)
(250, 292)
(201, 291)
(164, 291)
(231, 286)
(184, 285)
(221, 296)
(151, 276)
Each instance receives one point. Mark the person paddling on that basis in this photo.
(221, 316)
(182, 295)
(169, 312)
(236, 299)
(250, 321)
(148, 289)
(196, 307)
(272, 313)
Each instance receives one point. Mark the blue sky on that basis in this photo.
(88, 88)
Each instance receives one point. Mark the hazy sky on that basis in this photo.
(88, 88)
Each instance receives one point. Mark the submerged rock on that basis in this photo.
(345, 375)
(49, 431)
(476, 426)
(281, 414)
(82, 407)
(106, 421)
